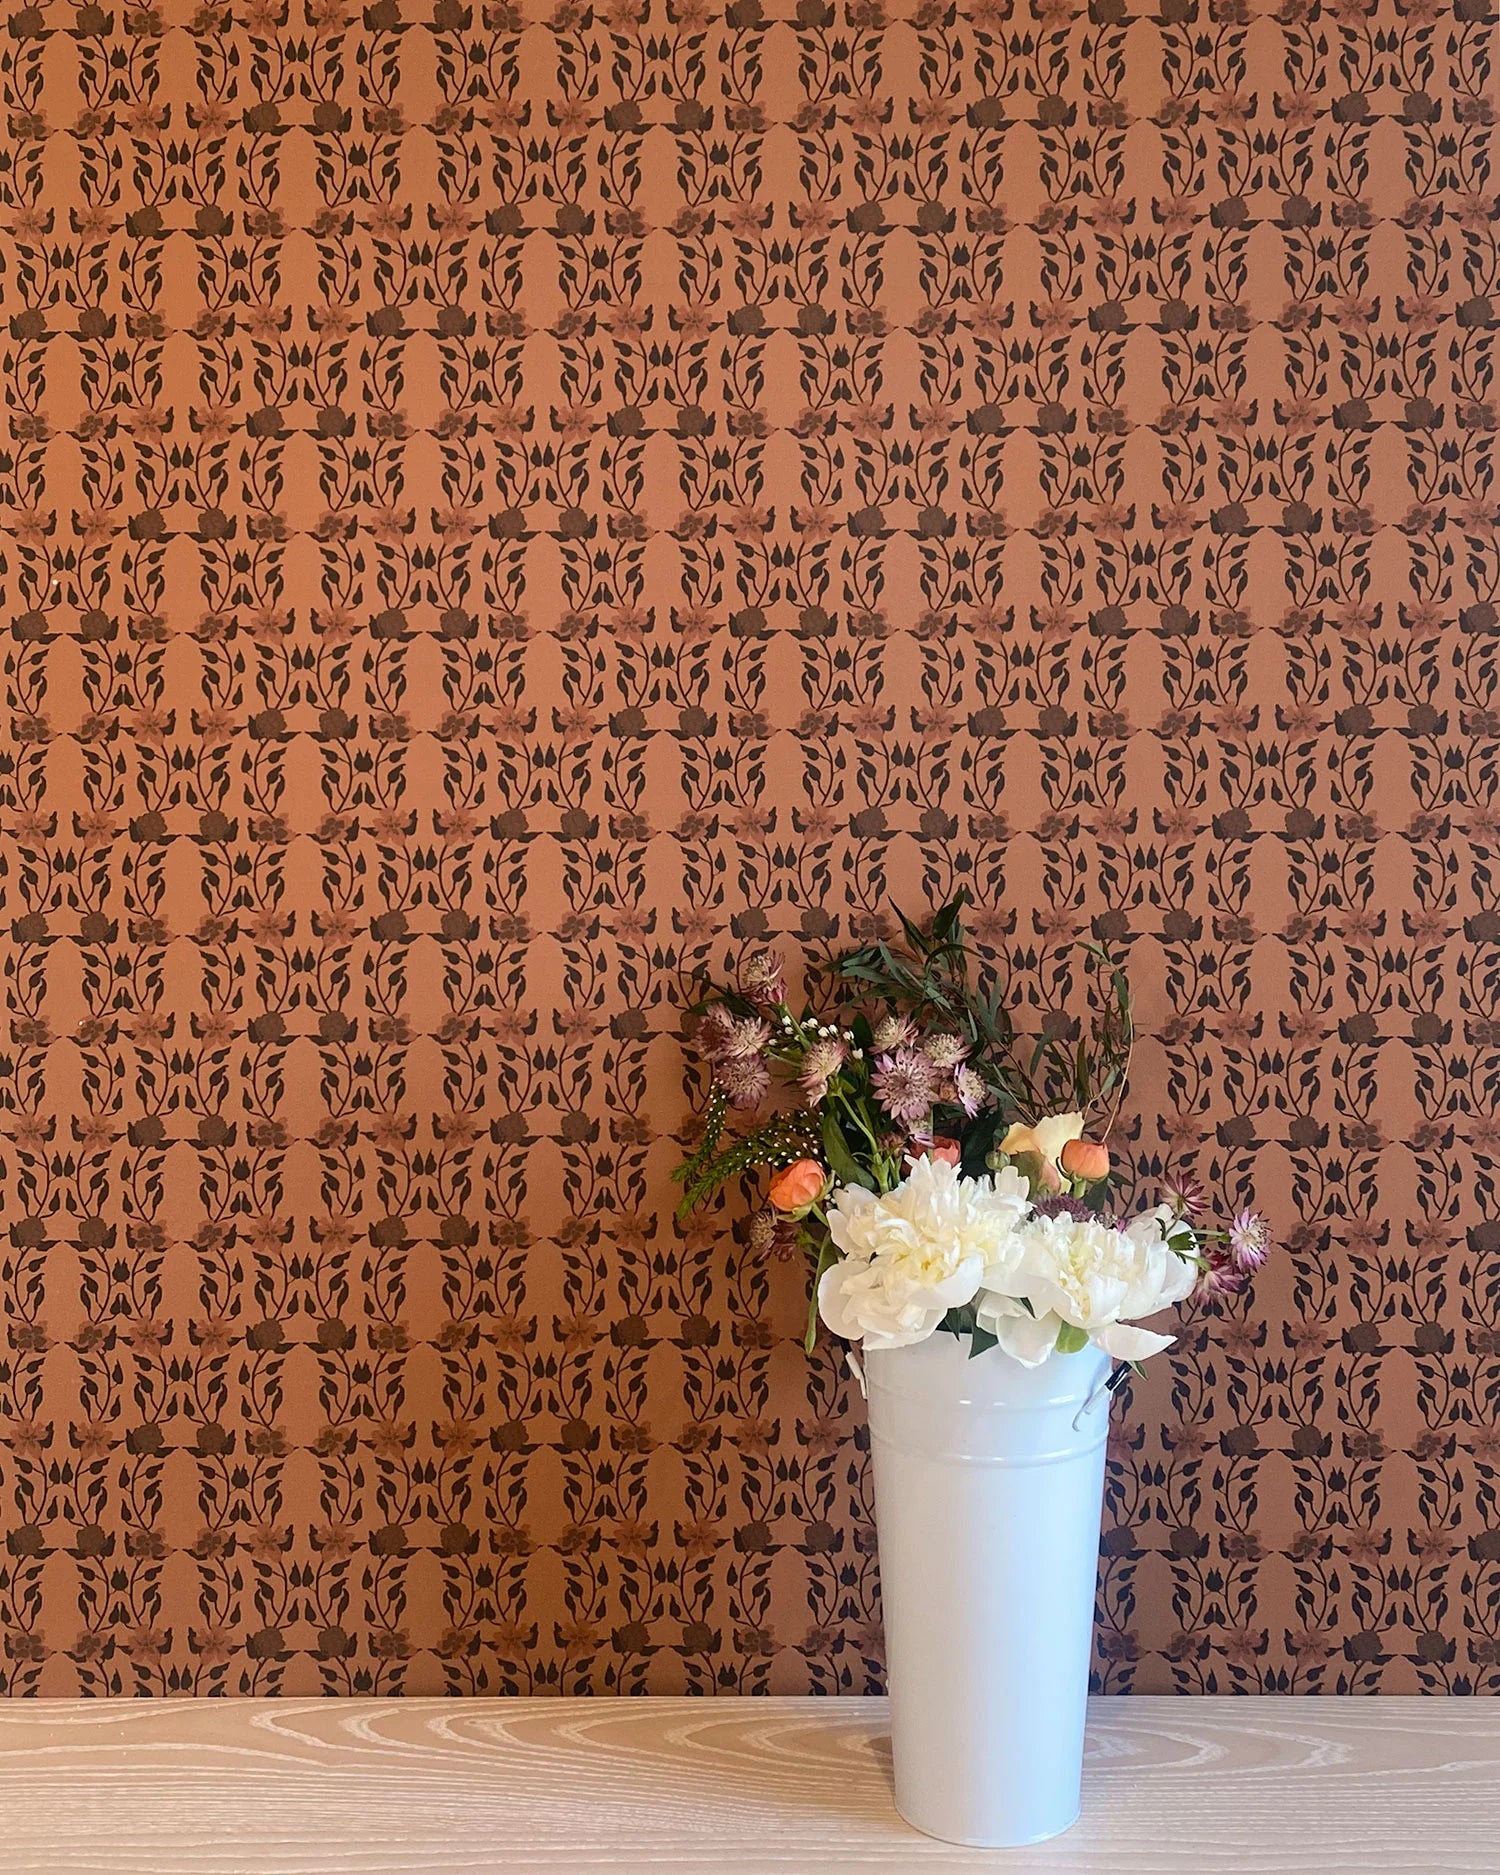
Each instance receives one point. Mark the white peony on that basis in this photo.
(1094, 1277)
(910, 1255)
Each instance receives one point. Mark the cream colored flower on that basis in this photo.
(1045, 1140)
(910, 1255)
(1094, 1278)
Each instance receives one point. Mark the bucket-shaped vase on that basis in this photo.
(989, 1480)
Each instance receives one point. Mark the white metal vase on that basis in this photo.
(989, 1480)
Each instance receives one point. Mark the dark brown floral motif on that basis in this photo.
(504, 510)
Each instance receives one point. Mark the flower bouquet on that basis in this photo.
(951, 1190)
(913, 1156)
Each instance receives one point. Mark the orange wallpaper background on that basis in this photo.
(499, 509)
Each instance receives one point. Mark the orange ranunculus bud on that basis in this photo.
(948, 1150)
(1038, 1147)
(797, 1184)
(1085, 1159)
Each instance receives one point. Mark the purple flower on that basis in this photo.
(713, 1030)
(1185, 1194)
(1249, 1242)
(906, 1085)
(772, 1236)
(745, 1080)
(763, 979)
(968, 1091)
(1219, 1277)
(1063, 1205)
(822, 1061)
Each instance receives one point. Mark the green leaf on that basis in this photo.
(827, 1256)
(981, 1341)
(945, 924)
(862, 970)
(1070, 1339)
(978, 1139)
(914, 934)
(839, 1159)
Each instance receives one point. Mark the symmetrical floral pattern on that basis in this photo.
(499, 509)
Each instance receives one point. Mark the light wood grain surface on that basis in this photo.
(736, 1787)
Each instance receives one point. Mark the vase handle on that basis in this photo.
(1101, 1390)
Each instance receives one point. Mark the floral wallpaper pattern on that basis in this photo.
(500, 509)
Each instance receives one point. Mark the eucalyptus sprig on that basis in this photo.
(1091, 1075)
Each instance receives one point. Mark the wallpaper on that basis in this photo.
(500, 511)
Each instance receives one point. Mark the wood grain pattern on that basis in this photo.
(737, 1787)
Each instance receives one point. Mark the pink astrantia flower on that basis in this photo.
(906, 1085)
(745, 1080)
(892, 1033)
(746, 1040)
(713, 1030)
(1185, 1194)
(945, 1051)
(1249, 1242)
(822, 1061)
(773, 1236)
(763, 979)
(1219, 1277)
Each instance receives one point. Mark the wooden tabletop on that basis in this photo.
(728, 1786)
